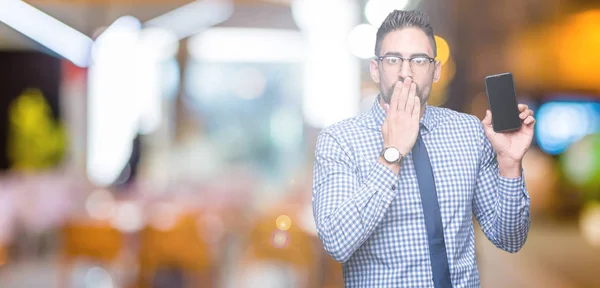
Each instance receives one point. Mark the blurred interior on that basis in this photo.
(155, 143)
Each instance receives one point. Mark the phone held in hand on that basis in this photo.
(502, 100)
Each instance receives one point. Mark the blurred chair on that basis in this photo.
(179, 248)
(277, 257)
(92, 240)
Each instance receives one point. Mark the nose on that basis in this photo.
(405, 70)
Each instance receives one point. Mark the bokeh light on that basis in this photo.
(581, 165)
(100, 204)
(377, 10)
(98, 278)
(559, 124)
(590, 223)
(361, 41)
(128, 217)
(283, 222)
(443, 49)
(280, 239)
(163, 216)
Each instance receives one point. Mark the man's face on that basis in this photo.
(406, 43)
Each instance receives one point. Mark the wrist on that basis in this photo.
(509, 168)
(395, 167)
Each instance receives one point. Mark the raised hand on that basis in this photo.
(511, 147)
(401, 126)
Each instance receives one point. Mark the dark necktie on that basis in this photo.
(433, 218)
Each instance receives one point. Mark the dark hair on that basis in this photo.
(399, 19)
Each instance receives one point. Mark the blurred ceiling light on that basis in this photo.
(194, 17)
(361, 41)
(443, 49)
(112, 100)
(377, 10)
(158, 44)
(331, 73)
(49, 32)
(249, 45)
(121, 34)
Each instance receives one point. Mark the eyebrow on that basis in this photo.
(411, 55)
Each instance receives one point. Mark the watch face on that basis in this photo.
(391, 154)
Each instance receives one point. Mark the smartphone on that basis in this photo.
(502, 99)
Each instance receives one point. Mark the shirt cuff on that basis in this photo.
(383, 180)
(513, 188)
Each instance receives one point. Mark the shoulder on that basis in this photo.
(346, 130)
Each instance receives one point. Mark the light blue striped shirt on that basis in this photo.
(372, 220)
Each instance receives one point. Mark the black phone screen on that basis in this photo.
(502, 99)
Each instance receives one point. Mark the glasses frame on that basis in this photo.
(409, 59)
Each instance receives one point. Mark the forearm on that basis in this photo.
(348, 225)
(510, 223)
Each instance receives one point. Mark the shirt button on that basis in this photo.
(393, 187)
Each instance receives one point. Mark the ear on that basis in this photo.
(375, 71)
(438, 71)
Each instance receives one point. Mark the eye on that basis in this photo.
(419, 60)
(392, 60)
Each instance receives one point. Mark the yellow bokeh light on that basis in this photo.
(443, 49)
(439, 90)
(283, 222)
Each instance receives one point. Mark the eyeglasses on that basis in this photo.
(418, 64)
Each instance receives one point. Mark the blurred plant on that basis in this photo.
(36, 141)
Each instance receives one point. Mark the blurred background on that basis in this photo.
(155, 143)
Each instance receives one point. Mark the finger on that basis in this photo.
(487, 121)
(386, 107)
(394, 101)
(410, 103)
(525, 114)
(529, 120)
(416, 113)
(384, 128)
(523, 107)
(404, 93)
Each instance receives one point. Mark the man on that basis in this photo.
(395, 188)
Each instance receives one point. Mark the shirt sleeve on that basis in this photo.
(501, 205)
(346, 212)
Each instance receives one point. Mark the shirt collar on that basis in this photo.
(428, 121)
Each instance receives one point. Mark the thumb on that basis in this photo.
(487, 121)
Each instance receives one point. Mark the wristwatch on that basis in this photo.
(392, 155)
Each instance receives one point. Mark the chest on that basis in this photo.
(454, 159)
